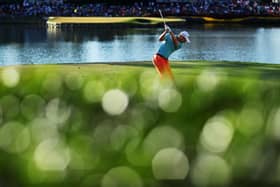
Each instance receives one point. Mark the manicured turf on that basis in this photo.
(243, 20)
(102, 124)
(111, 20)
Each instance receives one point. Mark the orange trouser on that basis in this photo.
(162, 66)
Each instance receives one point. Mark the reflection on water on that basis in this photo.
(33, 44)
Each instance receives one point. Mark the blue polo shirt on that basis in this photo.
(167, 47)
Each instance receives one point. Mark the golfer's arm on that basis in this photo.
(174, 39)
(161, 37)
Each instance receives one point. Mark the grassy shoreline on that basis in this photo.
(174, 65)
(179, 68)
(158, 20)
(109, 21)
(143, 21)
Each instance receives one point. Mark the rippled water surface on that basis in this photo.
(22, 44)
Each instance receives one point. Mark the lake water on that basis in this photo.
(23, 44)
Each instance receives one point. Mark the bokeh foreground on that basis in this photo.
(119, 125)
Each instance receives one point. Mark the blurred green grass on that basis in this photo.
(119, 125)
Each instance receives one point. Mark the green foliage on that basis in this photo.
(119, 125)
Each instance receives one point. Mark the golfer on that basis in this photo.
(170, 43)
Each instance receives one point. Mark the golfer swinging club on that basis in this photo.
(170, 43)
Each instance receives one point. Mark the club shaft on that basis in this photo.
(162, 17)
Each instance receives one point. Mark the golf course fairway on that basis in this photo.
(111, 20)
(118, 124)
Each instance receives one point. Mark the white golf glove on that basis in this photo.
(167, 28)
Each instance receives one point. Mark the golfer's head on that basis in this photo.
(184, 37)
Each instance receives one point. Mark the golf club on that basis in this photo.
(162, 17)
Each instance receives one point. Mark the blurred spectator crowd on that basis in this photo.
(222, 8)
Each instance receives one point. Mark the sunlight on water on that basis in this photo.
(209, 42)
